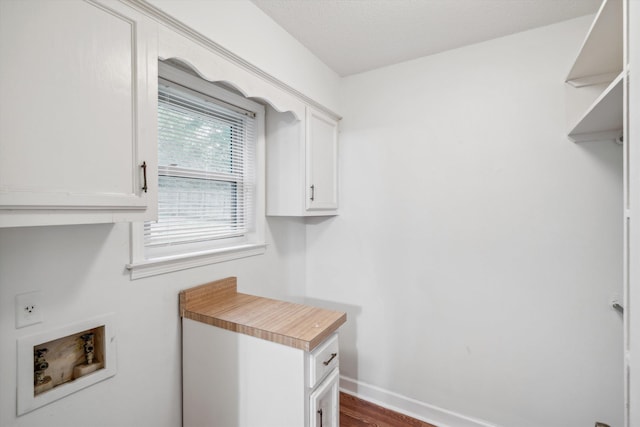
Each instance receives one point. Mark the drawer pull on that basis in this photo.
(333, 356)
(144, 174)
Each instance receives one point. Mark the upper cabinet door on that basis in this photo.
(77, 113)
(322, 161)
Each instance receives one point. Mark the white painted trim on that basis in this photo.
(39, 200)
(153, 267)
(632, 223)
(184, 30)
(408, 406)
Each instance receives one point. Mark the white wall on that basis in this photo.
(81, 272)
(477, 249)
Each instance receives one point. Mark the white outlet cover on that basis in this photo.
(28, 309)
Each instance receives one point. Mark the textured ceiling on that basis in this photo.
(352, 36)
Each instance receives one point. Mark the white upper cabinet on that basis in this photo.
(77, 113)
(595, 92)
(302, 164)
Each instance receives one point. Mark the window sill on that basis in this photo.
(153, 267)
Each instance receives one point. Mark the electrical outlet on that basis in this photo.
(28, 309)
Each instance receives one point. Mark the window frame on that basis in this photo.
(162, 260)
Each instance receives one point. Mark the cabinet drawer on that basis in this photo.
(323, 360)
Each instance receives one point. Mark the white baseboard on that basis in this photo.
(411, 407)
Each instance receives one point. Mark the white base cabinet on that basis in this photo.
(236, 380)
(302, 164)
(77, 113)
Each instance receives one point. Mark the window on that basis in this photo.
(205, 170)
(210, 184)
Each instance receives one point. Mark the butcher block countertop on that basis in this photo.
(296, 325)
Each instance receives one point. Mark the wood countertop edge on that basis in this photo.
(215, 292)
(268, 335)
(327, 331)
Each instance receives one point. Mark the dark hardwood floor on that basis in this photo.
(356, 412)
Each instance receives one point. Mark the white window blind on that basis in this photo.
(206, 156)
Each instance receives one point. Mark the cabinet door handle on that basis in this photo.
(333, 356)
(313, 193)
(320, 413)
(144, 176)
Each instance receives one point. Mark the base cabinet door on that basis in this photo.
(77, 113)
(324, 405)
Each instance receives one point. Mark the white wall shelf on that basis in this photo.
(603, 119)
(596, 80)
(601, 54)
